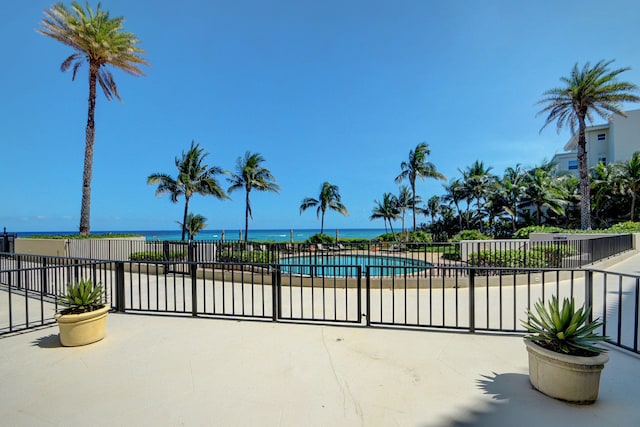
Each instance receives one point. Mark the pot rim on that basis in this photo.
(599, 359)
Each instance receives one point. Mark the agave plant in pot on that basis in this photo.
(83, 319)
(565, 361)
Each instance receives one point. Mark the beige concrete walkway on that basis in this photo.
(170, 371)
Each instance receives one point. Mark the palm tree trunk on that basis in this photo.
(633, 205)
(538, 214)
(247, 210)
(90, 133)
(413, 202)
(184, 220)
(322, 224)
(583, 170)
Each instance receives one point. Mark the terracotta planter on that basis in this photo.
(83, 328)
(574, 379)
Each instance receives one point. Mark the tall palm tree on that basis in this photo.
(387, 210)
(100, 41)
(250, 175)
(329, 198)
(194, 225)
(404, 201)
(630, 180)
(417, 167)
(587, 90)
(194, 177)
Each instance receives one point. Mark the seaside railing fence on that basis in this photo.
(469, 298)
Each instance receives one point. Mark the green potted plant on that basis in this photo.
(564, 359)
(83, 319)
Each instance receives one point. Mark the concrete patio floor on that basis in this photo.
(156, 370)
(181, 371)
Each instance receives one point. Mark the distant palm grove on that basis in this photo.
(491, 202)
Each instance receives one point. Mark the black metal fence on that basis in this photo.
(466, 298)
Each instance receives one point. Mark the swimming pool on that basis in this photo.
(335, 265)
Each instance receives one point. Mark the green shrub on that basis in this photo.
(418, 236)
(625, 227)
(538, 256)
(244, 256)
(524, 232)
(321, 238)
(470, 235)
(157, 256)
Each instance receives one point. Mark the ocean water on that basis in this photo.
(276, 235)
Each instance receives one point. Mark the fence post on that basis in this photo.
(275, 285)
(120, 297)
(44, 288)
(472, 300)
(193, 272)
(368, 284)
(588, 292)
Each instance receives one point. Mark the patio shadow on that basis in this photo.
(49, 341)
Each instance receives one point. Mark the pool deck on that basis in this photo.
(181, 371)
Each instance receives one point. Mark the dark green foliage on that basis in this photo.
(625, 227)
(82, 297)
(321, 238)
(470, 235)
(563, 330)
(157, 256)
(538, 256)
(524, 232)
(413, 236)
(244, 256)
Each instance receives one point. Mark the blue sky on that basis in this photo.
(332, 90)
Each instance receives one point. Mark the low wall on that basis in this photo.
(47, 247)
(117, 248)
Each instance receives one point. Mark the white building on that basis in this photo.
(613, 142)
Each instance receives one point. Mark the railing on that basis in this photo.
(465, 298)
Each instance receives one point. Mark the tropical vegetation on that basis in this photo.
(194, 177)
(329, 198)
(417, 167)
(564, 329)
(101, 42)
(195, 223)
(251, 175)
(587, 91)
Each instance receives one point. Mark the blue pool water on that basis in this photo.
(346, 265)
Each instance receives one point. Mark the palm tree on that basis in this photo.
(387, 210)
(329, 198)
(195, 224)
(404, 201)
(542, 189)
(478, 183)
(432, 208)
(630, 180)
(416, 167)
(512, 189)
(100, 41)
(194, 177)
(586, 91)
(455, 194)
(250, 174)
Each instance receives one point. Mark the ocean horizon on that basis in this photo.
(275, 235)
